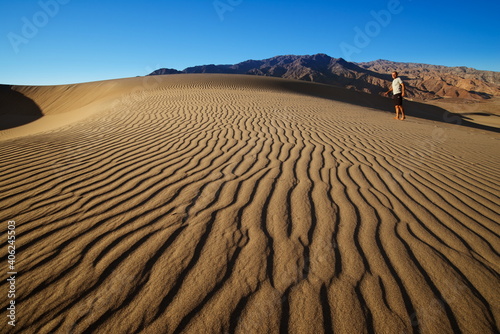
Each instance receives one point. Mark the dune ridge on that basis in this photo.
(233, 204)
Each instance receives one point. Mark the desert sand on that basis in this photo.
(241, 204)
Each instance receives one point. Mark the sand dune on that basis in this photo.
(235, 204)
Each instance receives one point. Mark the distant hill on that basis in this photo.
(424, 82)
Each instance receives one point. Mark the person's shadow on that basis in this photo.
(16, 109)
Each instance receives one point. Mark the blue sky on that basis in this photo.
(70, 41)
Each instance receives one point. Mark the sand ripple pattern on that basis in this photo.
(217, 208)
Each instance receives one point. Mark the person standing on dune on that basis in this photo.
(398, 91)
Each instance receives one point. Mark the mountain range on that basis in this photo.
(424, 82)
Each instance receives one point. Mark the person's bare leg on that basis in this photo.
(397, 113)
(402, 112)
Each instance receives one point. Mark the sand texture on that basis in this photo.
(240, 204)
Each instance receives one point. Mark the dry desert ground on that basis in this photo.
(240, 204)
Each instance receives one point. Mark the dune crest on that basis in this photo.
(235, 204)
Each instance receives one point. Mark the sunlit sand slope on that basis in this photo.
(234, 204)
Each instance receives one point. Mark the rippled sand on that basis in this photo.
(236, 204)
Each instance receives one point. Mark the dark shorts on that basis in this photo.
(398, 100)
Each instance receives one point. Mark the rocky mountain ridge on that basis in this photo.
(424, 81)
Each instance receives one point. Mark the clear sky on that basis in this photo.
(70, 41)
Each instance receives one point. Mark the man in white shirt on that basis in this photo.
(398, 91)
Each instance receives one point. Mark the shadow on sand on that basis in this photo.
(414, 109)
(16, 109)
